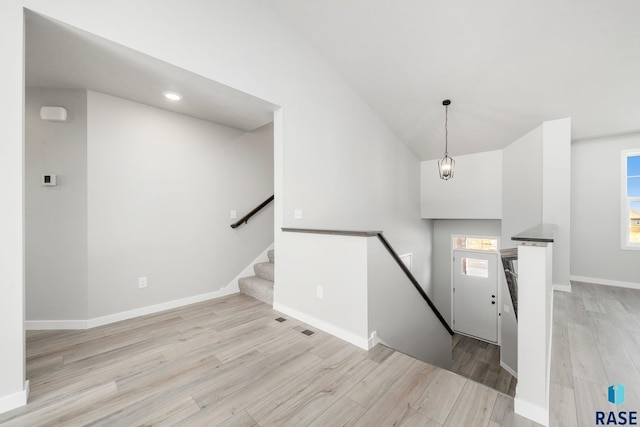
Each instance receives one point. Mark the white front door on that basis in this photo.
(475, 294)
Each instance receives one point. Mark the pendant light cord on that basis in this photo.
(446, 130)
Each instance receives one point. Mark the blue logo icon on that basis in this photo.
(616, 394)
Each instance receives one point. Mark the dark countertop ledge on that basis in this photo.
(542, 233)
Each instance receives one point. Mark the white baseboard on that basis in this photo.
(605, 282)
(248, 270)
(44, 325)
(15, 400)
(508, 369)
(55, 325)
(373, 340)
(229, 289)
(562, 288)
(531, 411)
(143, 311)
(549, 352)
(350, 337)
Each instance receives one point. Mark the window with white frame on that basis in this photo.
(484, 244)
(631, 199)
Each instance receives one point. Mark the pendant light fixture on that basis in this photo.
(446, 164)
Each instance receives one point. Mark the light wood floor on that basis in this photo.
(596, 343)
(228, 362)
(480, 361)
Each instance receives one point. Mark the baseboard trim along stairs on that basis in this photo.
(260, 286)
(230, 288)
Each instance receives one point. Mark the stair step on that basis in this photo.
(257, 287)
(272, 255)
(265, 270)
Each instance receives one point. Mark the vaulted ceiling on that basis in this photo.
(507, 65)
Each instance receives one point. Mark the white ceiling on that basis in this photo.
(507, 65)
(60, 56)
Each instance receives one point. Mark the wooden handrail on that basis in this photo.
(394, 255)
(248, 216)
(334, 232)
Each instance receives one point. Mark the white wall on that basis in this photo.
(556, 194)
(142, 193)
(363, 291)
(389, 202)
(358, 176)
(56, 217)
(536, 189)
(522, 185)
(337, 264)
(521, 209)
(334, 157)
(475, 192)
(341, 163)
(596, 253)
(161, 186)
(12, 362)
(535, 305)
(442, 260)
(398, 315)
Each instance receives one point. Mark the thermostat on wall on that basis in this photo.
(49, 180)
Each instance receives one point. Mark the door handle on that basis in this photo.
(493, 296)
(493, 302)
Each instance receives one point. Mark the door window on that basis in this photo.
(475, 267)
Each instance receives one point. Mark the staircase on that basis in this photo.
(260, 286)
(508, 258)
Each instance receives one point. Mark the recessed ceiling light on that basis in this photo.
(174, 96)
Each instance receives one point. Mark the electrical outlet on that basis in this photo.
(319, 292)
(506, 308)
(234, 214)
(142, 282)
(298, 214)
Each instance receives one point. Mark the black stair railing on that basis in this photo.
(248, 216)
(508, 257)
(414, 281)
(394, 255)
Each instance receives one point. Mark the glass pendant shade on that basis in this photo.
(446, 166)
